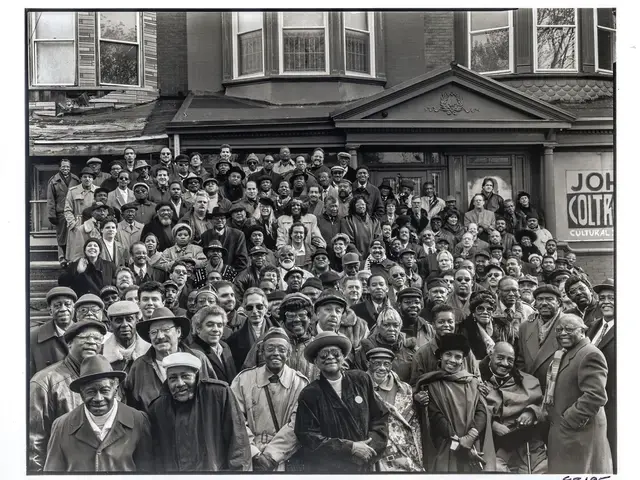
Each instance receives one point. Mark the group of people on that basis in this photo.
(287, 315)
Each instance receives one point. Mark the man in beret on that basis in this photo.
(268, 398)
(537, 341)
(49, 394)
(146, 208)
(196, 423)
(46, 344)
(404, 448)
(166, 333)
(125, 345)
(78, 198)
(363, 187)
(96, 165)
(232, 240)
(339, 415)
(57, 189)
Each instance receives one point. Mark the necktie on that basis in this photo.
(604, 330)
(273, 378)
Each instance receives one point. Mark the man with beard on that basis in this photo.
(124, 280)
(286, 261)
(252, 163)
(339, 415)
(387, 335)
(602, 335)
(160, 191)
(344, 197)
(215, 253)
(228, 301)
(196, 424)
(462, 289)
(57, 190)
(250, 276)
(537, 341)
(362, 187)
(166, 161)
(267, 171)
(179, 206)
(508, 239)
(125, 345)
(78, 198)
(317, 160)
(416, 329)
(419, 216)
(515, 399)
(510, 311)
(49, 394)
(46, 344)
(513, 267)
(268, 399)
(285, 163)
(369, 309)
(197, 217)
(527, 285)
(579, 291)
(232, 189)
(171, 291)
(142, 271)
(209, 325)
(129, 159)
(231, 239)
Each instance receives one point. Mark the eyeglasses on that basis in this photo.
(276, 348)
(494, 275)
(334, 352)
(258, 306)
(96, 337)
(296, 316)
(579, 289)
(565, 329)
(165, 331)
(83, 310)
(483, 309)
(180, 272)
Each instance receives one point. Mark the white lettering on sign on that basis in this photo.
(590, 197)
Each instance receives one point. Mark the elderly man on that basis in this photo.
(369, 308)
(404, 449)
(146, 208)
(339, 416)
(268, 399)
(510, 311)
(602, 334)
(232, 240)
(527, 284)
(332, 314)
(125, 345)
(78, 198)
(249, 277)
(515, 402)
(416, 329)
(101, 434)
(196, 424)
(216, 254)
(57, 190)
(166, 333)
(536, 339)
(49, 393)
(579, 291)
(574, 401)
(161, 225)
(46, 344)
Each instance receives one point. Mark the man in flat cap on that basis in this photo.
(101, 434)
(125, 345)
(341, 423)
(404, 448)
(146, 208)
(46, 344)
(49, 394)
(527, 284)
(78, 198)
(268, 399)
(166, 333)
(95, 164)
(409, 303)
(250, 276)
(344, 161)
(57, 190)
(332, 314)
(196, 423)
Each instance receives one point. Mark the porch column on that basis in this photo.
(353, 151)
(549, 189)
(176, 145)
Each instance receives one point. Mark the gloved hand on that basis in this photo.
(53, 220)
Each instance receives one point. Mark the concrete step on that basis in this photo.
(42, 286)
(44, 270)
(38, 304)
(43, 255)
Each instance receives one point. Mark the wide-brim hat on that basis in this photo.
(267, 201)
(163, 313)
(608, 284)
(88, 171)
(327, 339)
(95, 368)
(453, 341)
(526, 233)
(236, 169)
(141, 164)
(190, 177)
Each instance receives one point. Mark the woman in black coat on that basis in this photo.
(89, 273)
(478, 326)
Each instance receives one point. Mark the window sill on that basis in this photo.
(91, 88)
(598, 75)
(320, 77)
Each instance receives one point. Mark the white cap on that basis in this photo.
(182, 359)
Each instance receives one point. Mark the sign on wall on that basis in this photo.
(590, 196)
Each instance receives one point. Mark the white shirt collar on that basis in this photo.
(111, 417)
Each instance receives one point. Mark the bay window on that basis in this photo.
(490, 42)
(119, 46)
(303, 40)
(54, 48)
(605, 39)
(555, 43)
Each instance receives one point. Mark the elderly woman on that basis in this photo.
(478, 327)
(485, 219)
(458, 440)
(89, 273)
(361, 228)
(296, 211)
(183, 235)
(445, 261)
(112, 250)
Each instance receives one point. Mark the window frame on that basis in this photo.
(597, 27)
(327, 47)
(234, 43)
(536, 68)
(140, 37)
(34, 50)
(372, 46)
(511, 44)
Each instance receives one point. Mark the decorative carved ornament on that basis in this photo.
(451, 103)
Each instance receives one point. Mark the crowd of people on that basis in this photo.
(286, 315)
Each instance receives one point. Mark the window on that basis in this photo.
(555, 45)
(490, 42)
(54, 48)
(248, 43)
(304, 42)
(358, 41)
(119, 46)
(605, 38)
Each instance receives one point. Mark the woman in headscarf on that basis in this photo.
(492, 201)
(361, 228)
(478, 327)
(458, 436)
(89, 273)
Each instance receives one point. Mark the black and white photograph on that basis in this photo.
(320, 241)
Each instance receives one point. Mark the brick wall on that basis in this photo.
(438, 39)
(598, 266)
(172, 52)
(404, 46)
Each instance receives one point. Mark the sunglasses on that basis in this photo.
(483, 309)
(250, 308)
(334, 352)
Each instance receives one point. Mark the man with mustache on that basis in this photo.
(462, 288)
(161, 226)
(332, 314)
(232, 240)
(49, 394)
(125, 345)
(196, 424)
(268, 398)
(579, 291)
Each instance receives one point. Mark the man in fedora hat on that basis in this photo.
(232, 240)
(196, 424)
(49, 394)
(192, 184)
(166, 333)
(101, 434)
(57, 189)
(142, 171)
(46, 344)
(78, 198)
(125, 345)
(602, 334)
(268, 398)
(216, 254)
(339, 416)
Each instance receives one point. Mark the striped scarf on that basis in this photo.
(552, 375)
